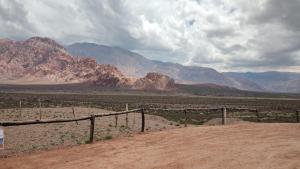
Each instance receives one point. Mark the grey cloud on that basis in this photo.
(271, 60)
(276, 43)
(232, 49)
(285, 12)
(201, 32)
(112, 20)
(108, 19)
(220, 32)
(13, 19)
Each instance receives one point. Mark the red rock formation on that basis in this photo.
(42, 60)
(155, 81)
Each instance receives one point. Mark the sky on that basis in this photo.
(227, 35)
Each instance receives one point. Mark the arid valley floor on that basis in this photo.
(241, 146)
(271, 141)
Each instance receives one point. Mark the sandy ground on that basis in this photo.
(29, 138)
(240, 146)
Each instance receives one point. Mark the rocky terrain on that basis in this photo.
(137, 65)
(43, 61)
(155, 81)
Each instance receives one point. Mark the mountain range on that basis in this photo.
(285, 82)
(43, 61)
(136, 65)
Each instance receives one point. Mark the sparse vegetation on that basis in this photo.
(58, 105)
(108, 137)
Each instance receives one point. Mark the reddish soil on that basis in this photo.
(30, 138)
(240, 146)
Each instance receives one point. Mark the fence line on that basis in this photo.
(141, 110)
(183, 109)
(216, 108)
(223, 109)
(91, 118)
(224, 112)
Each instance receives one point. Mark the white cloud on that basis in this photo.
(222, 34)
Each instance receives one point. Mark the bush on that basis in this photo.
(108, 137)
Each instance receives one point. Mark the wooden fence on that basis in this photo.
(223, 109)
(126, 112)
(91, 118)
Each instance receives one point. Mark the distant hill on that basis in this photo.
(271, 81)
(136, 65)
(216, 90)
(181, 90)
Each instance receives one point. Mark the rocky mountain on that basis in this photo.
(155, 81)
(271, 81)
(137, 65)
(43, 61)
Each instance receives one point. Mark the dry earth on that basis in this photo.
(240, 146)
(29, 138)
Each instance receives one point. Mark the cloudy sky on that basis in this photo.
(228, 35)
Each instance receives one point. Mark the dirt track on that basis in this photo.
(242, 146)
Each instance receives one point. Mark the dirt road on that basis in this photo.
(241, 146)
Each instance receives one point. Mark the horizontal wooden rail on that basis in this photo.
(204, 109)
(216, 108)
(242, 109)
(118, 113)
(91, 118)
(223, 109)
(242, 117)
(18, 123)
(183, 109)
(179, 109)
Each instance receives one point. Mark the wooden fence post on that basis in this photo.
(73, 112)
(297, 116)
(143, 120)
(257, 115)
(186, 118)
(116, 117)
(92, 118)
(20, 113)
(40, 108)
(126, 115)
(224, 112)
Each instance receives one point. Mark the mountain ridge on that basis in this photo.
(136, 65)
(271, 80)
(40, 60)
